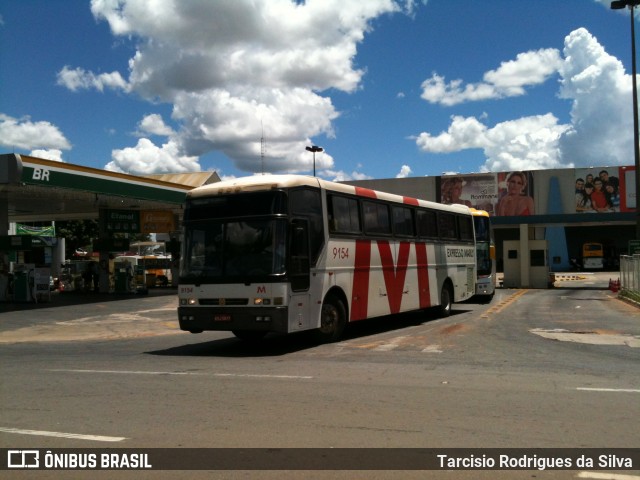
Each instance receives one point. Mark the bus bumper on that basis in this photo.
(262, 319)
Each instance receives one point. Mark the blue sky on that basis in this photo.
(388, 88)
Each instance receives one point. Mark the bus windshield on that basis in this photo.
(484, 256)
(252, 204)
(592, 250)
(482, 228)
(243, 249)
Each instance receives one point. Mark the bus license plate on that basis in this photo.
(222, 317)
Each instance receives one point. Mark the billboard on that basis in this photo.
(598, 190)
(500, 194)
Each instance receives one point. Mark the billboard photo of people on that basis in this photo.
(477, 191)
(515, 190)
(597, 190)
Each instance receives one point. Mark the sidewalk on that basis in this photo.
(91, 316)
(592, 277)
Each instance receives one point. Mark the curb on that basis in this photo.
(560, 278)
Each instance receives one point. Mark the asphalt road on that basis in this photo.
(556, 368)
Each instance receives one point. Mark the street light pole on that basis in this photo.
(617, 5)
(315, 149)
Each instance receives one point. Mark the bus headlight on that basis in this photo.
(188, 301)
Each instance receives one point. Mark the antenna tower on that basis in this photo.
(263, 148)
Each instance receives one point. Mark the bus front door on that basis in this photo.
(298, 270)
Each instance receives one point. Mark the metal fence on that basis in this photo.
(630, 277)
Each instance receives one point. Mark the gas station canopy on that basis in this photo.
(34, 189)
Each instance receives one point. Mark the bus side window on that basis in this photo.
(344, 215)
(427, 225)
(447, 226)
(465, 227)
(403, 221)
(376, 218)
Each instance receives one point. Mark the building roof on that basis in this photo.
(193, 179)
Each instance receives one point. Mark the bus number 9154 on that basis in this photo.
(340, 253)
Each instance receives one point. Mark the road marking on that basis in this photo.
(607, 476)
(432, 349)
(504, 303)
(391, 344)
(386, 347)
(622, 390)
(42, 433)
(143, 372)
(596, 337)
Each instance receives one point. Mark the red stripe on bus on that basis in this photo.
(365, 192)
(360, 291)
(410, 201)
(423, 275)
(394, 275)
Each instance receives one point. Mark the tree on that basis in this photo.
(78, 234)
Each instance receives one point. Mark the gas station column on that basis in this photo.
(10, 174)
(103, 235)
(4, 215)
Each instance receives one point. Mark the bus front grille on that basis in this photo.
(224, 301)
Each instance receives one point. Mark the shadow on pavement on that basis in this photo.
(67, 299)
(282, 344)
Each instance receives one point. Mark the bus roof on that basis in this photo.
(257, 183)
(479, 213)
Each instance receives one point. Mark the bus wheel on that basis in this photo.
(333, 319)
(249, 335)
(445, 300)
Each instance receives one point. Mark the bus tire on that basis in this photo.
(333, 319)
(249, 335)
(445, 300)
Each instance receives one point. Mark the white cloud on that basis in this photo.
(509, 80)
(342, 176)
(79, 79)
(230, 67)
(154, 124)
(219, 120)
(527, 143)
(27, 135)
(51, 154)
(600, 132)
(146, 158)
(405, 171)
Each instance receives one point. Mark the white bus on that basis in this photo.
(286, 253)
(485, 256)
